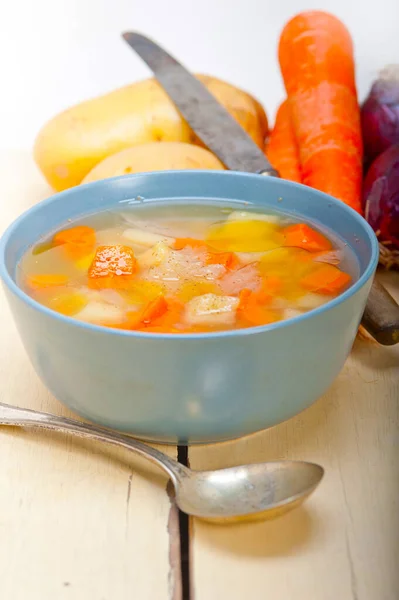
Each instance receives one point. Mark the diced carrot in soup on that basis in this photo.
(40, 281)
(181, 243)
(228, 259)
(326, 279)
(303, 236)
(78, 241)
(112, 266)
(201, 269)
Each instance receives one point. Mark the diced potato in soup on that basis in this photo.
(180, 268)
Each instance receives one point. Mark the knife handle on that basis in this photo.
(381, 316)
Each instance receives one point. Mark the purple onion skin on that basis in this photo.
(380, 114)
(381, 197)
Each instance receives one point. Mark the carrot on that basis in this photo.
(112, 267)
(270, 287)
(301, 235)
(227, 259)
(326, 279)
(282, 149)
(251, 310)
(244, 297)
(154, 309)
(159, 315)
(37, 282)
(317, 64)
(181, 243)
(79, 241)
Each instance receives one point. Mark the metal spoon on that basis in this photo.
(260, 490)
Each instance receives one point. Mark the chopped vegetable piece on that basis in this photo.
(271, 286)
(141, 291)
(100, 313)
(303, 236)
(146, 238)
(252, 311)
(181, 243)
(326, 279)
(79, 241)
(244, 297)
(83, 263)
(154, 309)
(228, 259)
(113, 266)
(166, 322)
(311, 300)
(37, 282)
(211, 309)
(68, 303)
(191, 289)
(154, 256)
(245, 236)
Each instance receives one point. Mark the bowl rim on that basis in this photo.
(24, 297)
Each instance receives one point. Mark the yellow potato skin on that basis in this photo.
(154, 156)
(76, 140)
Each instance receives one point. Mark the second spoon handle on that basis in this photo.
(14, 416)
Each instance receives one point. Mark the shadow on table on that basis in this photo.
(283, 536)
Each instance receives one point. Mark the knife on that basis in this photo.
(221, 133)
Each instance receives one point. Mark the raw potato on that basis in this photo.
(155, 156)
(76, 140)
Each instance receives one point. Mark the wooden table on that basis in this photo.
(83, 521)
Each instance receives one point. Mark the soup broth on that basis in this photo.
(186, 268)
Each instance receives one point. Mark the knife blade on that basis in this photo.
(211, 122)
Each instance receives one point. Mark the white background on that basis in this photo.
(55, 53)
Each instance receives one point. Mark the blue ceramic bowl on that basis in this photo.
(201, 387)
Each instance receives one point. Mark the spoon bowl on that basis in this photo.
(263, 490)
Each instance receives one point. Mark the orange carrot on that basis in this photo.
(244, 296)
(154, 309)
(302, 236)
(79, 241)
(159, 315)
(181, 243)
(326, 279)
(37, 282)
(112, 267)
(317, 64)
(227, 259)
(252, 310)
(270, 287)
(282, 149)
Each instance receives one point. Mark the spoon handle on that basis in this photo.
(23, 417)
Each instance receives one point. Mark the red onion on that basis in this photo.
(381, 200)
(380, 114)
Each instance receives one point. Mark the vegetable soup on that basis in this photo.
(185, 268)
